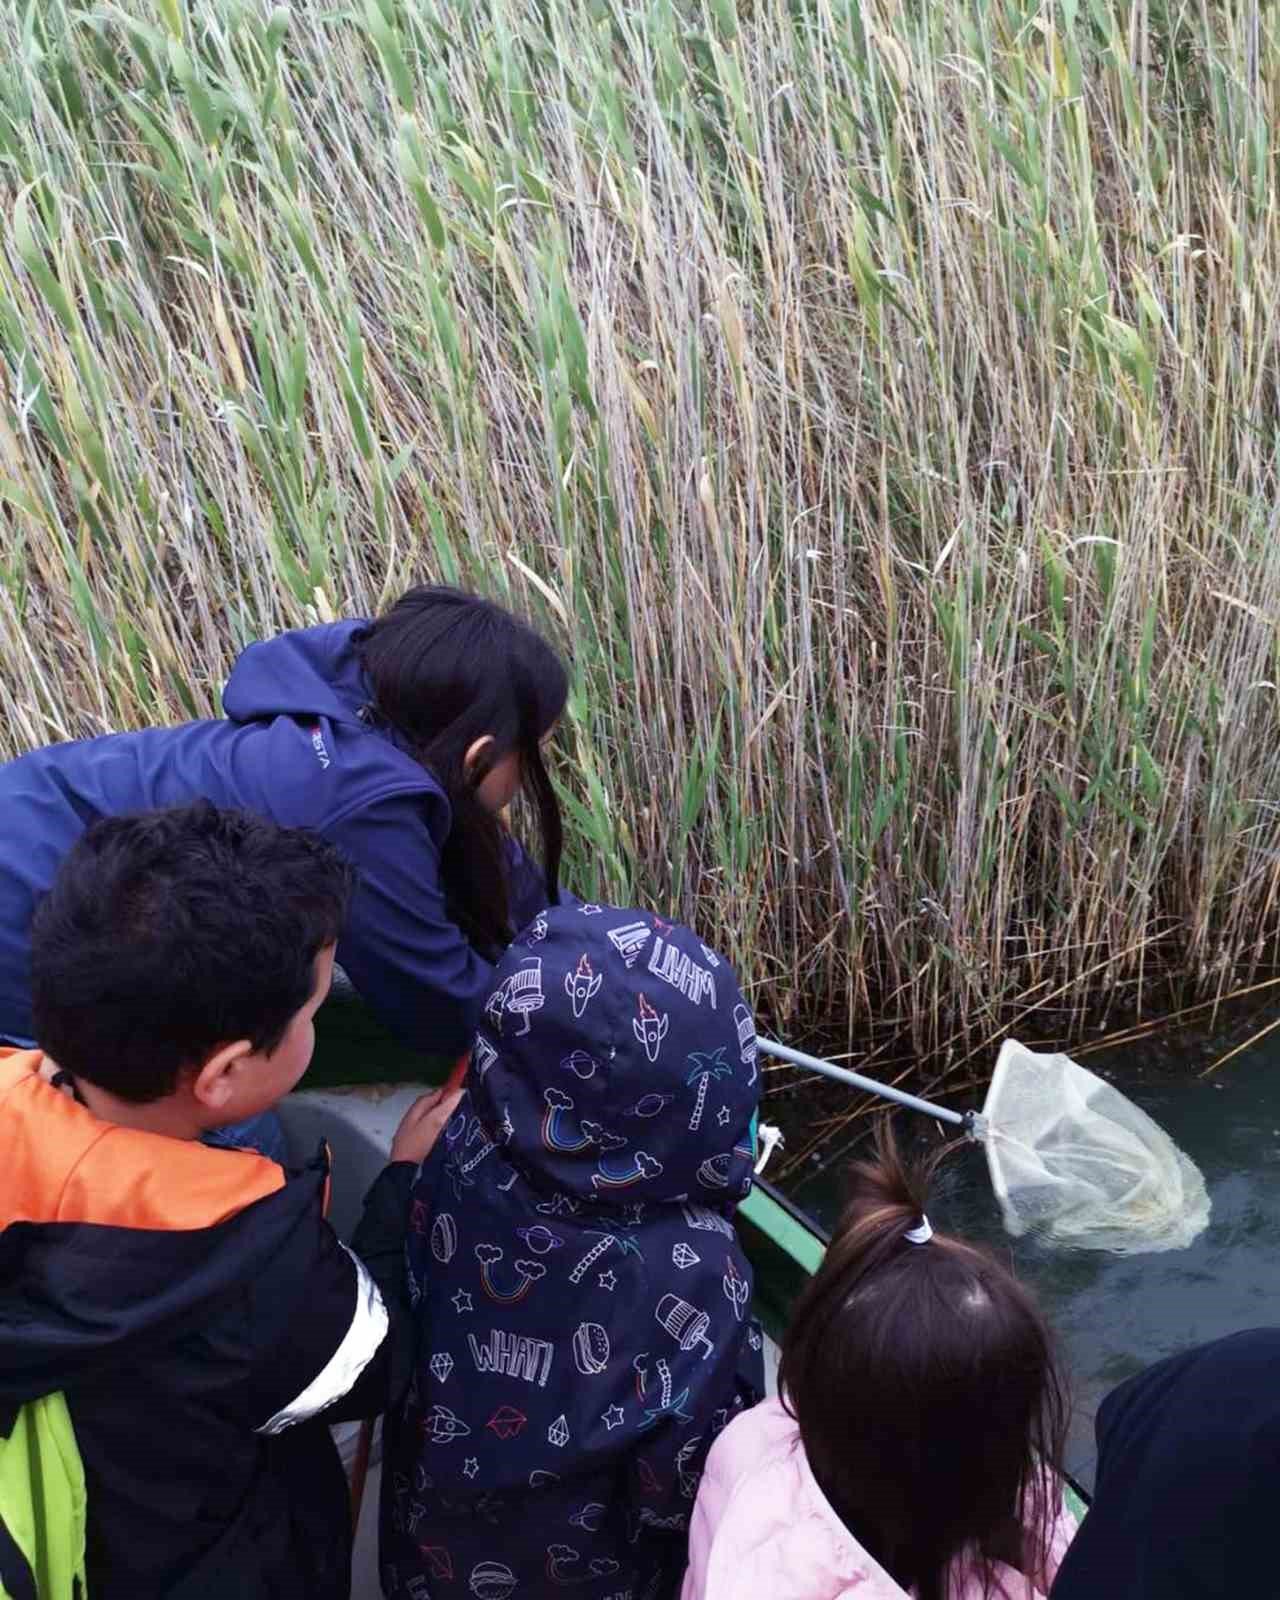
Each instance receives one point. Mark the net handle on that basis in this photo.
(972, 1124)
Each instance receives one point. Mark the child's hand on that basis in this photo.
(421, 1124)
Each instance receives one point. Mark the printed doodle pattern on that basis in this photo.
(584, 1304)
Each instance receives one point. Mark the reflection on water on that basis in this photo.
(1117, 1314)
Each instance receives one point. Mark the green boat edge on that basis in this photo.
(784, 1244)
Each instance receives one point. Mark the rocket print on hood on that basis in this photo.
(650, 1028)
(582, 985)
(585, 1313)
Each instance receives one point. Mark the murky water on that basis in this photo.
(1115, 1315)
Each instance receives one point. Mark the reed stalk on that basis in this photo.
(878, 399)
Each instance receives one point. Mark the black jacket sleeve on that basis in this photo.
(379, 1242)
(331, 1332)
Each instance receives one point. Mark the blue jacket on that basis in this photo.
(292, 747)
(583, 1301)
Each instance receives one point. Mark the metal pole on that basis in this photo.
(828, 1069)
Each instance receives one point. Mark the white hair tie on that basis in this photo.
(920, 1235)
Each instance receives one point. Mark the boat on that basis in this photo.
(361, 1083)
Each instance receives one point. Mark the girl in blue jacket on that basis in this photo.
(400, 740)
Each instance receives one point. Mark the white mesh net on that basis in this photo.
(1076, 1163)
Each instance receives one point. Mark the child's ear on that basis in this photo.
(479, 754)
(215, 1084)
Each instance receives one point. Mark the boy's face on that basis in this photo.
(255, 1081)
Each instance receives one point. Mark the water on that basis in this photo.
(1115, 1315)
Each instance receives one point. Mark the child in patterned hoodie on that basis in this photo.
(582, 1298)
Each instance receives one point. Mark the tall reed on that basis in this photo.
(880, 399)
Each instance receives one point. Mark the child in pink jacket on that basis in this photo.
(920, 1395)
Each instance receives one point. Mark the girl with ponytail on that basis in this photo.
(921, 1406)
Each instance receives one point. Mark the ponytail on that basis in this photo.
(925, 1386)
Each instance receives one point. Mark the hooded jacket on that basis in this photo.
(583, 1301)
(762, 1526)
(198, 1314)
(294, 746)
(1188, 1461)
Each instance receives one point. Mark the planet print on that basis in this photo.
(539, 1239)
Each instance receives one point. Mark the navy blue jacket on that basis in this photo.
(292, 747)
(583, 1301)
(1188, 1460)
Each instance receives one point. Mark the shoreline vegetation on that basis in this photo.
(880, 400)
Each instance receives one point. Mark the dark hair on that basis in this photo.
(170, 933)
(446, 668)
(925, 1384)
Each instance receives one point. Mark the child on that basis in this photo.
(920, 1399)
(400, 739)
(1188, 1461)
(191, 1304)
(582, 1298)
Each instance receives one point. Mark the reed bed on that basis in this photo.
(879, 399)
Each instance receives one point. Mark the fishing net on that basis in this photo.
(1075, 1162)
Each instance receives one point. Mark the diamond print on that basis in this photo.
(558, 1432)
(682, 1256)
(441, 1365)
(506, 1422)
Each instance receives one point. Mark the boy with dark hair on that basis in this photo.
(192, 1305)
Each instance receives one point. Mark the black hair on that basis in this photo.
(927, 1390)
(445, 668)
(170, 933)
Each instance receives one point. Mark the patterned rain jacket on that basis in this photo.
(583, 1301)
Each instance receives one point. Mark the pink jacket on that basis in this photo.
(762, 1527)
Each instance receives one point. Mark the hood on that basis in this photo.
(776, 1523)
(616, 1061)
(110, 1236)
(582, 1297)
(311, 672)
